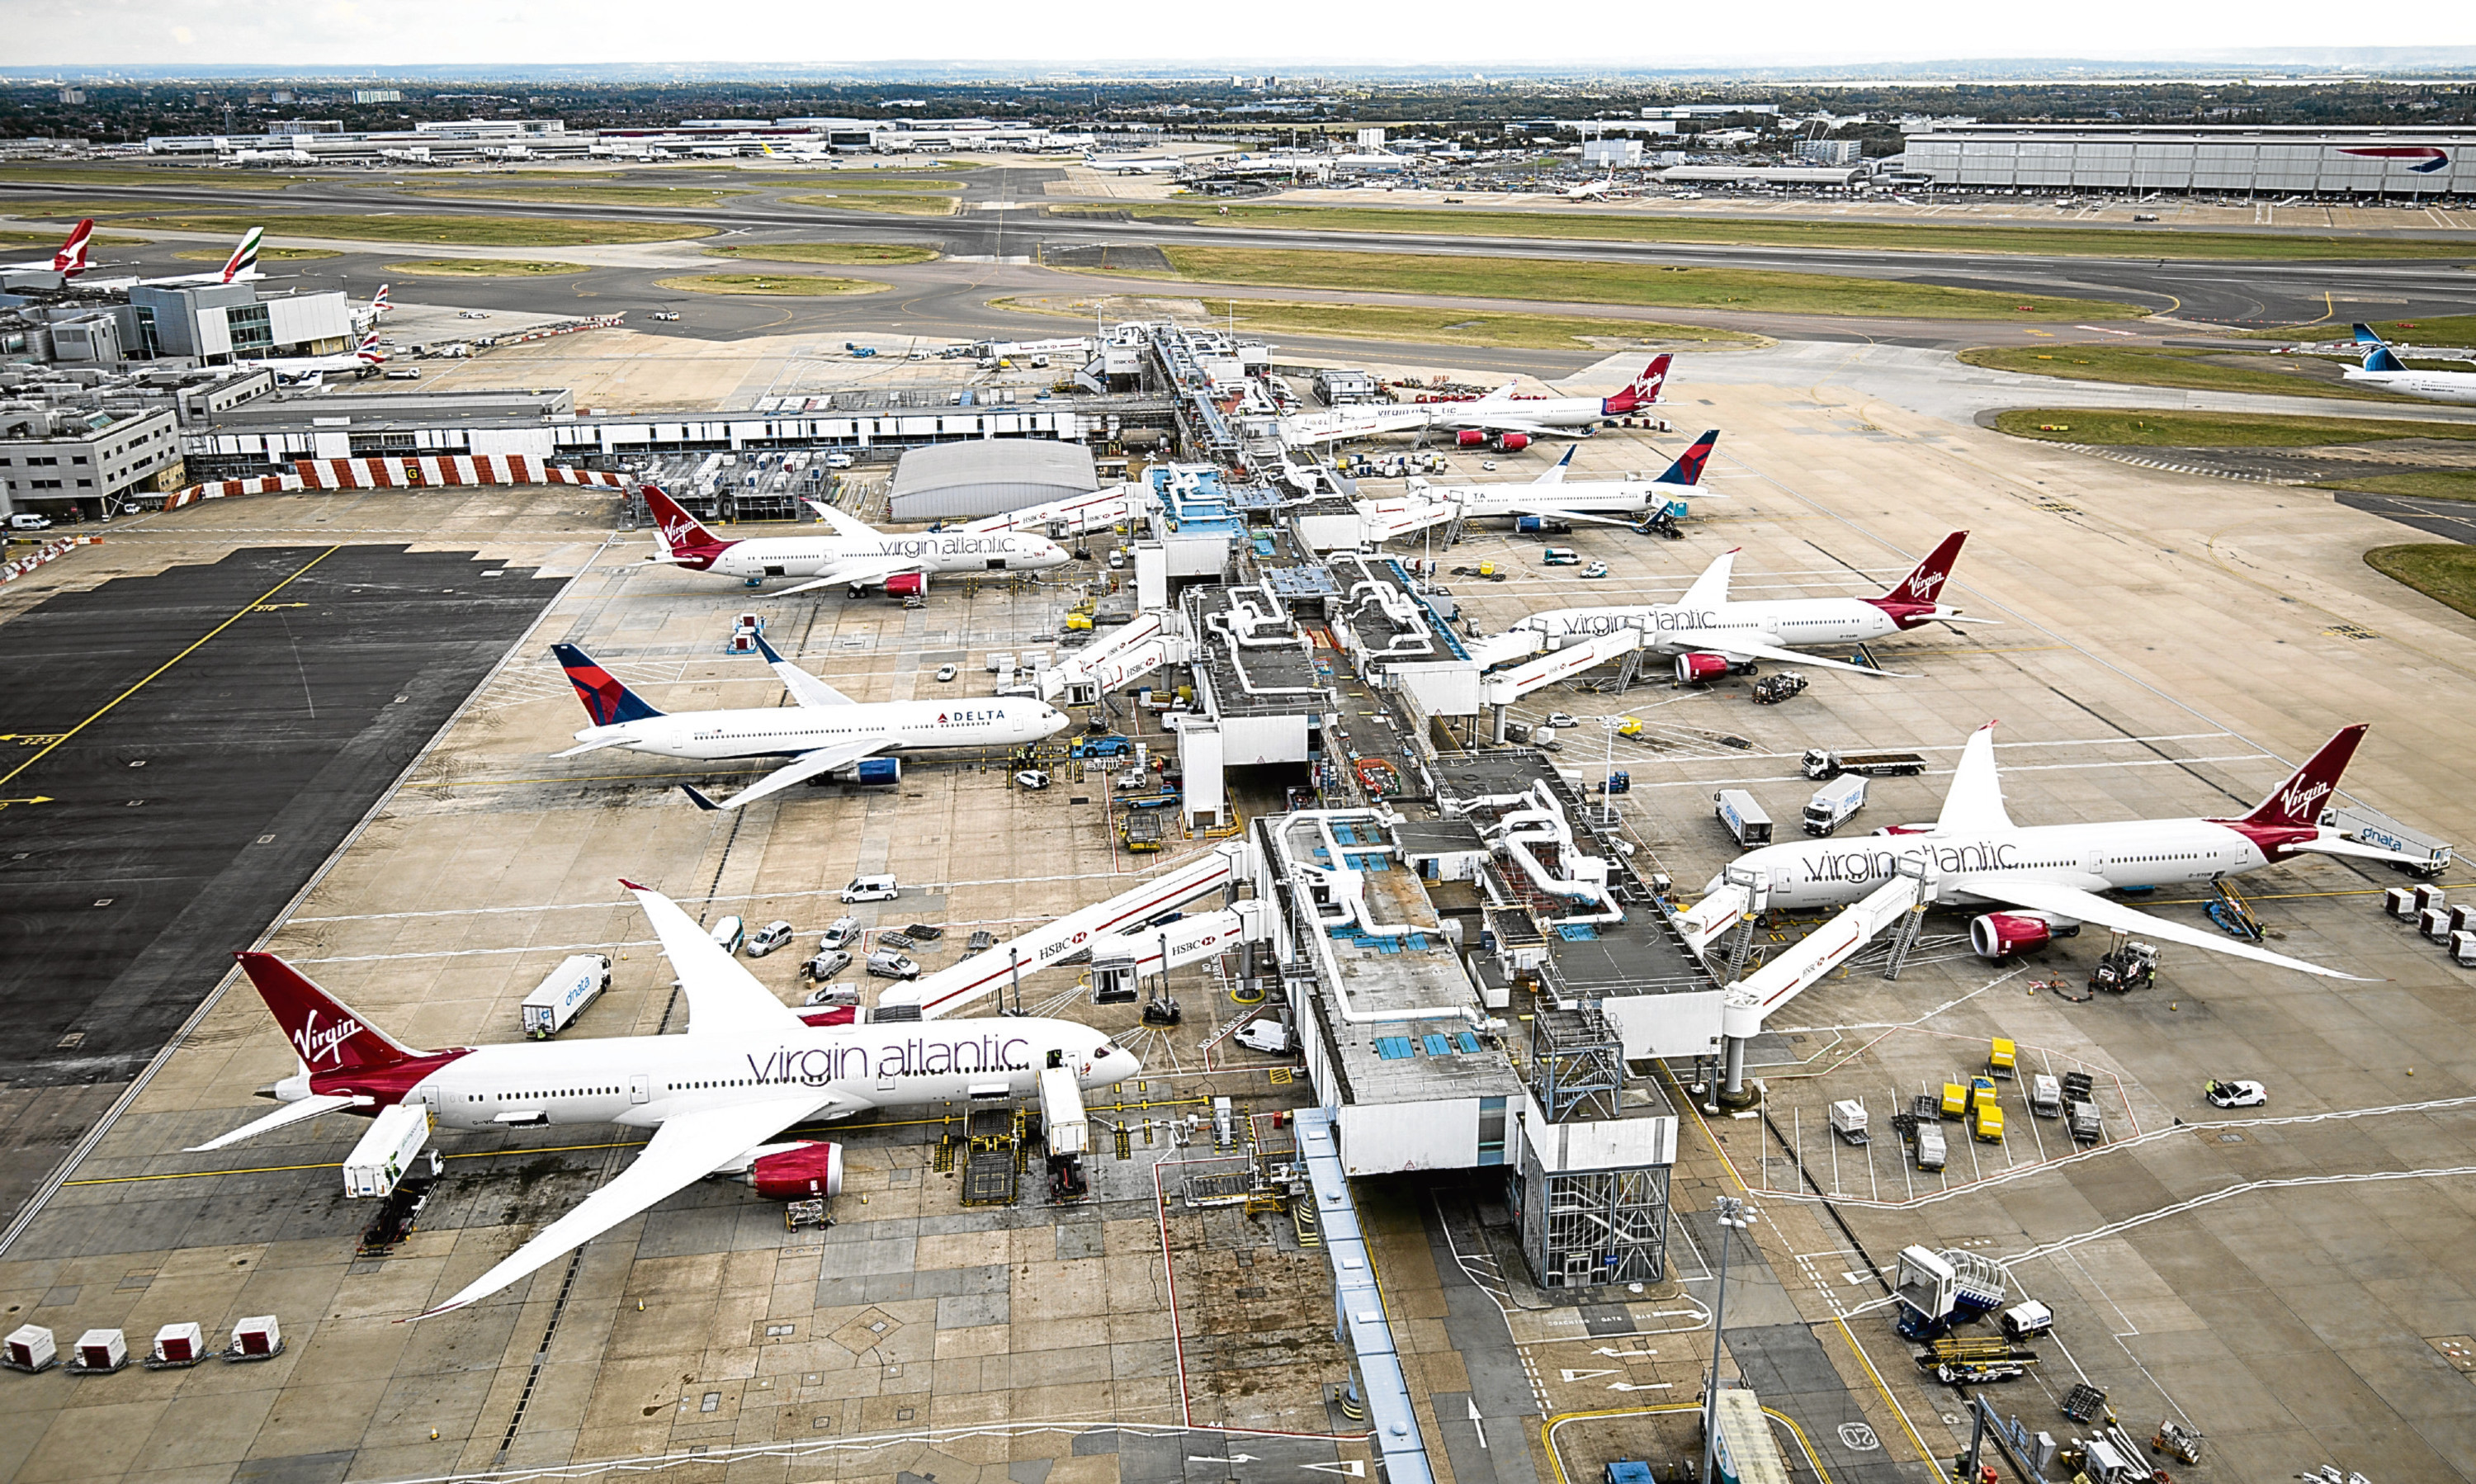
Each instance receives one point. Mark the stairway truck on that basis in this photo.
(1835, 803)
(1743, 1448)
(1062, 1121)
(386, 1153)
(1824, 763)
(1741, 817)
(559, 1000)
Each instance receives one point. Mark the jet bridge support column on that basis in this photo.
(1495, 733)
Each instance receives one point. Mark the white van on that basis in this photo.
(871, 888)
(28, 520)
(731, 932)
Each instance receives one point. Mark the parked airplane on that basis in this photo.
(1592, 190)
(718, 1098)
(857, 555)
(295, 370)
(2043, 882)
(2383, 369)
(1717, 635)
(1601, 502)
(1507, 421)
(68, 260)
(1136, 165)
(825, 734)
(240, 267)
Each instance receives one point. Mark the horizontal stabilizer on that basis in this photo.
(284, 1117)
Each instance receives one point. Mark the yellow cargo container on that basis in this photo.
(1990, 1122)
(1955, 1100)
(2002, 1058)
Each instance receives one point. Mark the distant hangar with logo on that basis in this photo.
(2208, 160)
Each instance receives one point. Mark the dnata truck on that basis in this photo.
(1744, 818)
(1743, 1448)
(560, 999)
(1834, 803)
(1824, 763)
(386, 1153)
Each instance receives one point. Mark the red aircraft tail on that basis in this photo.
(2298, 801)
(328, 1034)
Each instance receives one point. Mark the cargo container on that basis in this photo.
(1741, 817)
(388, 1151)
(1834, 803)
(2462, 948)
(2435, 924)
(1063, 1122)
(2045, 1096)
(1824, 763)
(2084, 1121)
(2002, 1058)
(31, 1348)
(1955, 1100)
(1990, 1124)
(563, 994)
(256, 1337)
(1930, 1147)
(101, 1351)
(1849, 1120)
(180, 1345)
(2026, 1321)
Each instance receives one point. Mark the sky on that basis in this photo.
(1458, 33)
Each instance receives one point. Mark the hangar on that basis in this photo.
(976, 477)
(2422, 163)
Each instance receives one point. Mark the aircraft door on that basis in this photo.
(640, 1087)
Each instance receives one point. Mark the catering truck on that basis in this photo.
(1744, 818)
(560, 999)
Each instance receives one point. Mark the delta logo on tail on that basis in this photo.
(70, 260)
(2427, 157)
(605, 698)
(1688, 469)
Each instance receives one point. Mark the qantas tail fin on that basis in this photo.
(1643, 391)
(1688, 469)
(2298, 801)
(328, 1034)
(1924, 581)
(607, 700)
(243, 262)
(70, 260)
(677, 530)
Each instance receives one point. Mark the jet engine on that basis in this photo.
(868, 770)
(1513, 442)
(2002, 935)
(1470, 437)
(907, 584)
(797, 1171)
(1695, 669)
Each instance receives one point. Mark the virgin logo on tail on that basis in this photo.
(315, 1043)
(1923, 584)
(2298, 799)
(1643, 391)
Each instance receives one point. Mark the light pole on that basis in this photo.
(1733, 1218)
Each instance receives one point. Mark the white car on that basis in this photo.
(871, 888)
(1595, 569)
(946, 671)
(766, 939)
(666, 316)
(842, 932)
(1033, 779)
(838, 460)
(1562, 720)
(2235, 1093)
(28, 520)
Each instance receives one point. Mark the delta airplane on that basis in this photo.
(68, 260)
(2383, 369)
(825, 734)
(857, 555)
(1601, 502)
(718, 1098)
(2043, 881)
(1716, 634)
(297, 370)
(1501, 417)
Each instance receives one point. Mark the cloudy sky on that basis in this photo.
(296, 33)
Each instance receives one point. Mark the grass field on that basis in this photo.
(175, 175)
(2429, 484)
(462, 231)
(892, 205)
(484, 267)
(1747, 290)
(2443, 571)
(1435, 326)
(589, 194)
(1882, 236)
(806, 285)
(2144, 366)
(48, 208)
(264, 253)
(2142, 428)
(2441, 330)
(841, 254)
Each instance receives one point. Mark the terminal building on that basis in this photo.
(2209, 161)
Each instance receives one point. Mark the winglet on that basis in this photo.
(631, 885)
(696, 796)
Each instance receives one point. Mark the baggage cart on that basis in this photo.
(1848, 1121)
(2045, 1096)
(1931, 1154)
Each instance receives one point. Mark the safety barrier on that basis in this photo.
(48, 552)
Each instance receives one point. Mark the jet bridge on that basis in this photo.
(1158, 638)
(1503, 687)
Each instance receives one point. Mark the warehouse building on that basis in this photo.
(58, 461)
(2285, 160)
(964, 480)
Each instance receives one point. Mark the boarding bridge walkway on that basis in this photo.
(1503, 687)
(1157, 638)
(1360, 1304)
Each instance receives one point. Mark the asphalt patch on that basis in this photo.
(204, 780)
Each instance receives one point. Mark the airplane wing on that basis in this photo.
(799, 770)
(724, 998)
(290, 1113)
(594, 747)
(873, 569)
(2042, 896)
(1681, 641)
(1555, 474)
(806, 688)
(683, 1150)
(1711, 588)
(1975, 799)
(845, 523)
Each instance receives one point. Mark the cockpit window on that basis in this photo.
(1106, 1050)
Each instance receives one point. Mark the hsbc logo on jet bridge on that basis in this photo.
(315, 1043)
